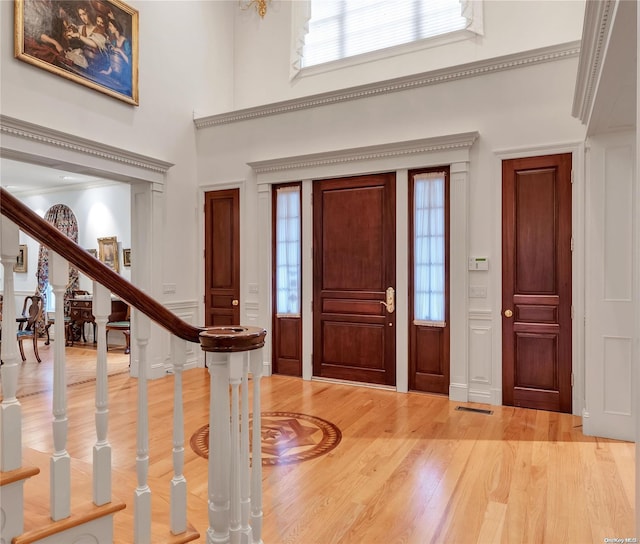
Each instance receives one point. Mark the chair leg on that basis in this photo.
(35, 347)
(127, 334)
(21, 350)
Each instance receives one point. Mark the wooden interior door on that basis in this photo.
(222, 257)
(354, 268)
(536, 282)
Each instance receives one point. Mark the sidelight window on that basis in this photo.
(287, 250)
(429, 272)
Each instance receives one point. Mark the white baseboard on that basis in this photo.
(459, 392)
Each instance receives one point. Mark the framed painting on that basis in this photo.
(108, 252)
(21, 259)
(126, 257)
(92, 42)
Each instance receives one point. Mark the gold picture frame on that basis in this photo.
(126, 257)
(91, 42)
(21, 259)
(108, 252)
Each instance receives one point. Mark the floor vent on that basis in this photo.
(476, 410)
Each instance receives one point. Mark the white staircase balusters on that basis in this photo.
(256, 454)
(60, 471)
(10, 410)
(245, 470)
(235, 379)
(219, 449)
(142, 494)
(11, 506)
(178, 489)
(101, 306)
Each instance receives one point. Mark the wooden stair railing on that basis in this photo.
(235, 488)
(39, 229)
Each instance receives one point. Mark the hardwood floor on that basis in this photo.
(410, 468)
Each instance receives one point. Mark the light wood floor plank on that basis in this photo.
(410, 469)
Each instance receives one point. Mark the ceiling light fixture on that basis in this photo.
(260, 5)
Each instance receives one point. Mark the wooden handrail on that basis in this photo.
(45, 233)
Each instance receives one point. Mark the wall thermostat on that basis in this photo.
(478, 263)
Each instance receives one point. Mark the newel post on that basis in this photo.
(228, 432)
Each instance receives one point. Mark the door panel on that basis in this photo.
(354, 264)
(536, 323)
(222, 257)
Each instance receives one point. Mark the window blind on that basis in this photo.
(345, 28)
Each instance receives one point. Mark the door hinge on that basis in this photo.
(572, 311)
(572, 243)
(572, 177)
(572, 379)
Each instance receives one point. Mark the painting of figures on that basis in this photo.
(92, 42)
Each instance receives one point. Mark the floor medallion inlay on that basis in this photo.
(287, 437)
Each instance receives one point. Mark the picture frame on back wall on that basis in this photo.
(21, 259)
(91, 42)
(108, 252)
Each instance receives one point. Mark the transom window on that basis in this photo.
(345, 28)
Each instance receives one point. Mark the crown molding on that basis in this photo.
(598, 18)
(22, 133)
(445, 75)
(300, 164)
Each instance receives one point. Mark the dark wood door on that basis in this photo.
(536, 282)
(222, 257)
(354, 267)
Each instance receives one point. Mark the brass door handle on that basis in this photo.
(508, 313)
(234, 302)
(390, 304)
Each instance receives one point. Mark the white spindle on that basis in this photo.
(142, 495)
(10, 409)
(60, 488)
(256, 454)
(101, 306)
(218, 531)
(235, 378)
(178, 482)
(245, 471)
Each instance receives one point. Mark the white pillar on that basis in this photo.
(219, 448)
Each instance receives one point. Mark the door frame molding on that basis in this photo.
(399, 157)
(577, 150)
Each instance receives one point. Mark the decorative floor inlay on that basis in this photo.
(287, 437)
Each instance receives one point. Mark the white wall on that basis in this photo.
(522, 109)
(610, 310)
(262, 48)
(183, 68)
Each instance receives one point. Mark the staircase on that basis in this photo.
(82, 509)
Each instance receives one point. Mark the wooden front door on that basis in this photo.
(536, 282)
(354, 279)
(222, 257)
